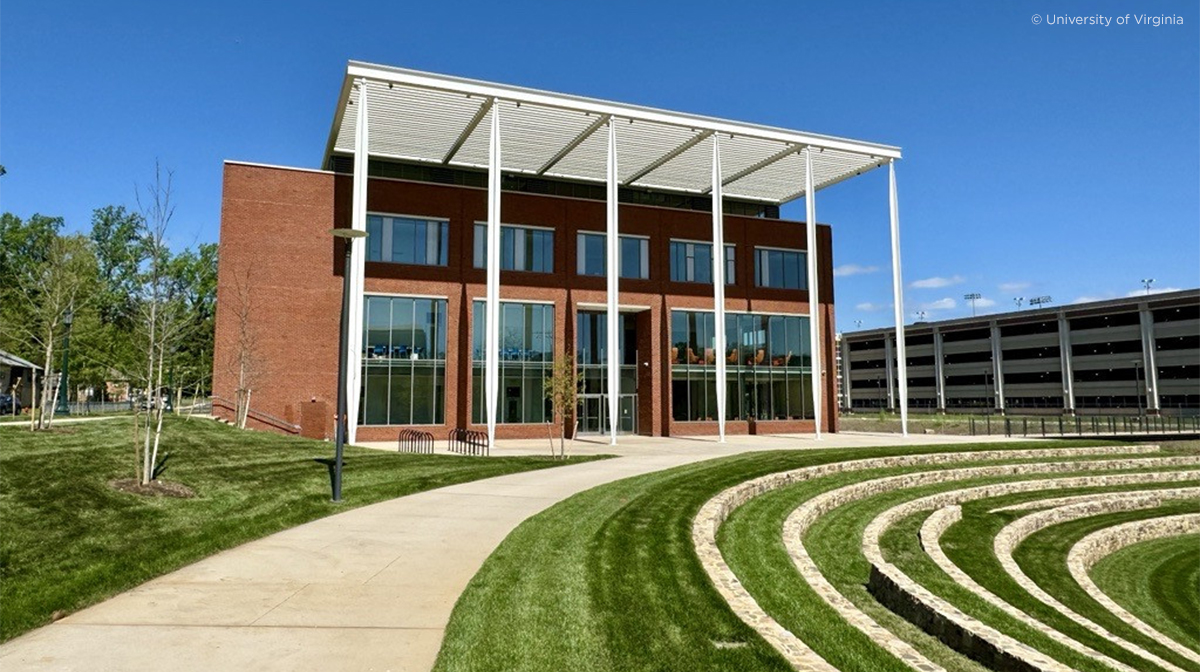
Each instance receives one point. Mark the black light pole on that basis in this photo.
(63, 408)
(348, 236)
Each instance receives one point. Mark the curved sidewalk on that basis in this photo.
(368, 589)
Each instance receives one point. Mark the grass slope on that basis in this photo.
(1043, 557)
(68, 540)
(1159, 582)
(608, 579)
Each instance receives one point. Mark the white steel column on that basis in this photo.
(889, 368)
(614, 270)
(718, 275)
(358, 253)
(491, 343)
(898, 294)
(816, 362)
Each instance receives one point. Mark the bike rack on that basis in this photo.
(468, 442)
(414, 441)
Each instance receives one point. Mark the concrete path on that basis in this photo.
(368, 589)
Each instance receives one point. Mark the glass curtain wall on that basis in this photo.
(521, 248)
(404, 361)
(526, 359)
(767, 360)
(692, 262)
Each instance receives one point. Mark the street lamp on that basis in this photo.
(349, 236)
(63, 408)
(1018, 300)
(920, 315)
(1146, 282)
(972, 297)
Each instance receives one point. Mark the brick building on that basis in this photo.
(482, 200)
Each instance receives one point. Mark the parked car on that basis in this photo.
(9, 404)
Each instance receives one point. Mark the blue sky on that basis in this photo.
(1059, 160)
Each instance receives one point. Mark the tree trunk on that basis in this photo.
(159, 403)
(41, 415)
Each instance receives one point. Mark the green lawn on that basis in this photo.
(1159, 582)
(68, 540)
(608, 579)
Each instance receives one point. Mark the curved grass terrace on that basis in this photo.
(609, 578)
(1159, 582)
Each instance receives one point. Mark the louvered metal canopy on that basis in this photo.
(442, 120)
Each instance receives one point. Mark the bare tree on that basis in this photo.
(244, 362)
(561, 388)
(161, 314)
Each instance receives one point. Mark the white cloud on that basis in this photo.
(937, 282)
(872, 307)
(1153, 290)
(1013, 286)
(1089, 299)
(941, 304)
(984, 303)
(846, 270)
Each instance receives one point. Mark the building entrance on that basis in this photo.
(591, 356)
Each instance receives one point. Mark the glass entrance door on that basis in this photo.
(593, 414)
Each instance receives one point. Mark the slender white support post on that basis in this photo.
(358, 220)
(1066, 362)
(997, 367)
(939, 369)
(612, 240)
(491, 337)
(816, 362)
(898, 294)
(718, 276)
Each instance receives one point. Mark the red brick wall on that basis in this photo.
(275, 222)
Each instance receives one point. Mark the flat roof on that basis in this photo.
(1128, 302)
(438, 119)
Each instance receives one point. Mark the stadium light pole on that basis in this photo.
(1039, 301)
(349, 236)
(972, 297)
(1018, 300)
(1146, 282)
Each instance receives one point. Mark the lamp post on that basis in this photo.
(1146, 282)
(348, 236)
(63, 408)
(1040, 301)
(1018, 300)
(972, 297)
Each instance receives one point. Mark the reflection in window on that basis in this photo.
(405, 240)
(692, 262)
(633, 256)
(404, 361)
(521, 248)
(526, 358)
(782, 269)
(768, 366)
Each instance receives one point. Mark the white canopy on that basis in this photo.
(443, 120)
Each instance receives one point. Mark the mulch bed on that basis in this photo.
(153, 488)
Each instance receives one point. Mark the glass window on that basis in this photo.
(782, 269)
(404, 361)
(526, 358)
(692, 262)
(767, 366)
(633, 256)
(521, 248)
(406, 240)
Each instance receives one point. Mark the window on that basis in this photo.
(404, 361)
(633, 256)
(522, 248)
(692, 262)
(781, 269)
(406, 240)
(767, 360)
(526, 357)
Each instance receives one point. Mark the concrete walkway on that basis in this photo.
(368, 589)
